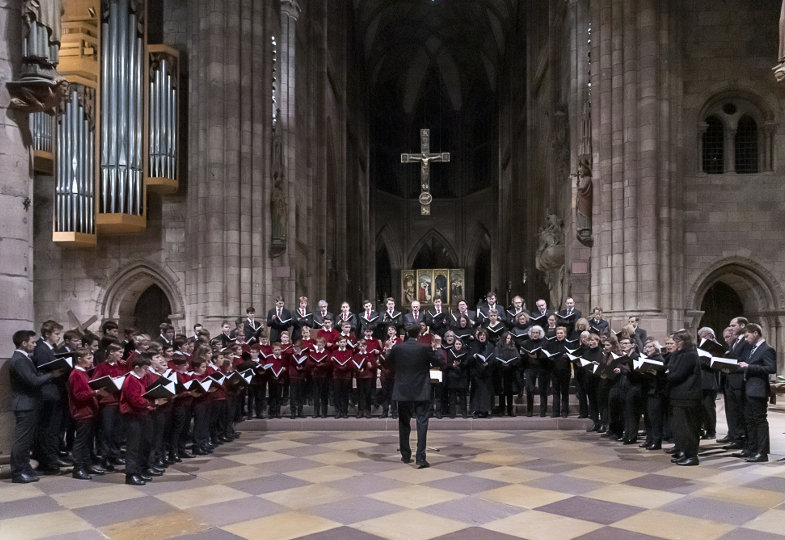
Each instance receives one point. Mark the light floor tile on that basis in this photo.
(509, 474)
(412, 475)
(606, 474)
(328, 473)
(668, 525)
(415, 496)
(276, 445)
(772, 521)
(336, 458)
(16, 492)
(257, 458)
(522, 496)
(349, 445)
(636, 496)
(542, 526)
(188, 498)
(42, 525)
(750, 496)
(158, 527)
(232, 474)
(500, 458)
(92, 496)
(304, 497)
(409, 525)
(281, 526)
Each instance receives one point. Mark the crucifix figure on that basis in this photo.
(425, 157)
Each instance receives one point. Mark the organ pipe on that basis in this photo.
(162, 117)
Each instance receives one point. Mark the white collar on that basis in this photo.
(23, 352)
(80, 368)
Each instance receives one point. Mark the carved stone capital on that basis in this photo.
(291, 8)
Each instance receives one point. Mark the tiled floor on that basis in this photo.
(491, 484)
(545, 484)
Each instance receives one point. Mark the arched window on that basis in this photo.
(735, 136)
(713, 146)
(746, 146)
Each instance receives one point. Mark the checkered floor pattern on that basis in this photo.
(352, 485)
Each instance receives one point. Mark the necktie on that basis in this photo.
(754, 347)
(279, 313)
(367, 315)
(415, 315)
(302, 312)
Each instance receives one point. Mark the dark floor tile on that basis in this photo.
(81, 535)
(735, 513)
(354, 510)
(591, 510)
(26, 507)
(476, 533)
(612, 533)
(471, 511)
(465, 484)
(289, 465)
(772, 483)
(464, 466)
(115, 512)
(551, 465)
(749, 534)
(566, 484)
(268, 484)
(167, 483)
(665, 483)
(366, 484)
(302, 451)
(342, 533)
(210, 534)
(235, 511)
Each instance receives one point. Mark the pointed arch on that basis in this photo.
(124, 289)
(386, 237)
(430, 235)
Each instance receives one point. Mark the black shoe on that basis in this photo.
(672, 450)
(160, 464)
(81, 474)
(197, 451)
(758, 458)
(644, 444)
(742, 454)
(134, 480)
(734, 446)
(423, 464)
(117, 461)
(406, 459)
(678, 457)
(47, 471)
(185, 454)
(95, 469)
(543, 414)
(145, 477)
(106, 466)
(59, 462)
(654, 446)
(152, 471)
(630, 441)
(688, 461)
(725, 439)
(24, 478)
(174, 457)
(602, 429)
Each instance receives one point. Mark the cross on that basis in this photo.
(425, 157)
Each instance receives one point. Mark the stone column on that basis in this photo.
(635, 71)
(16, 219)
(228, 148)
(284, 262)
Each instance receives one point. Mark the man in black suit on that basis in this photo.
(568, 315)
(411, 362)
(26, 402)
(541, 313)
(760, 361)
(52, 420)
(597, 324)
(415, 316)
(733, 389)
(321, 314)
(251, 327)
(279, 319)
(640, 333)
(484, 308)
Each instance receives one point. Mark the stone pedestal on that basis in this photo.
(16, 219)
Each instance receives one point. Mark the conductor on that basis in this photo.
(412, 390)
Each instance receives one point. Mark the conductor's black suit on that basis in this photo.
(411, 362)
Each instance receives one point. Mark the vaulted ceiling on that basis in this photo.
(464, 40)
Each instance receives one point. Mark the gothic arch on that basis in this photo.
(123, 291)
(427, 237)
(385, 236)
(757, 288)
(481, 239)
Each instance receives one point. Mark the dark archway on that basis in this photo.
(384, 280)
(719, 305)
(433, 254)
(482, 275)
(151, 310)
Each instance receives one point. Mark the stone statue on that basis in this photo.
(279, 201)
(550, 256)
(584, 201)
(779, 69)
(39, 87)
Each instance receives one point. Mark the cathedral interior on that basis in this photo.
(206, 156)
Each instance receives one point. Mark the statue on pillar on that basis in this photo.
(549, 258)
(279, 201)
(40, 88)
(584, 201)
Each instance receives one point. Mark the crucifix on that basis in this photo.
(425, 157)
